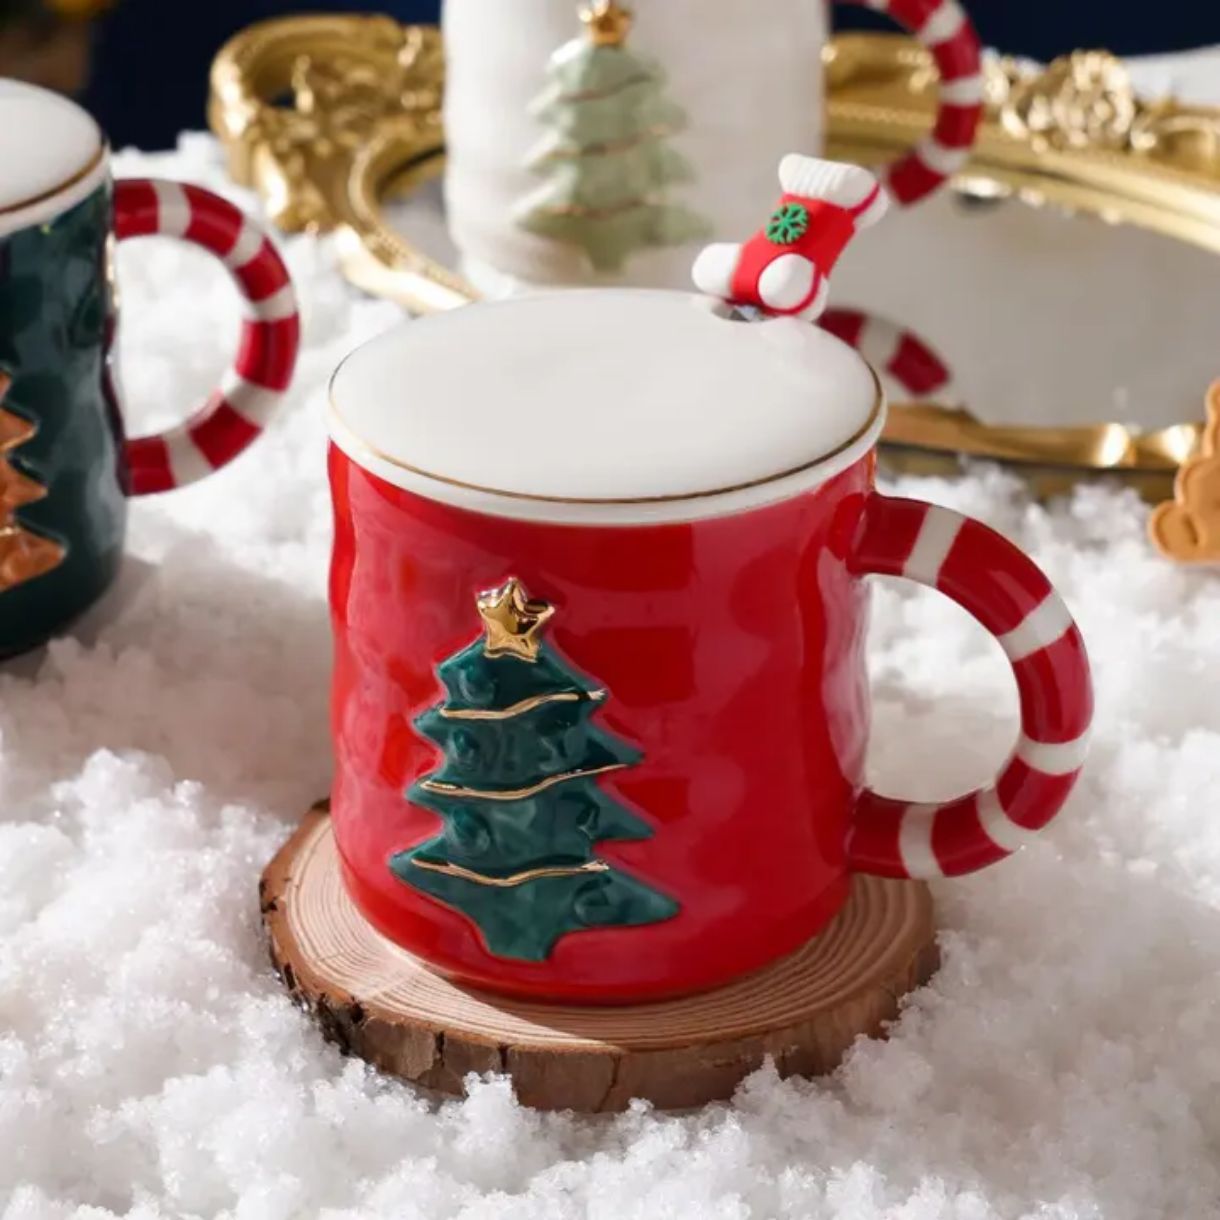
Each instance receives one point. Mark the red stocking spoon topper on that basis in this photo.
(784, 269)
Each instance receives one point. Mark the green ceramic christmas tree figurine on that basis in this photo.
(606, 160)
(518, 793)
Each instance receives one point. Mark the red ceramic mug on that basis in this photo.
(600, 702)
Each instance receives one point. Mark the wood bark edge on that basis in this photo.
(438, 1055)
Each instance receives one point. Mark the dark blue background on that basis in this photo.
(152, 56)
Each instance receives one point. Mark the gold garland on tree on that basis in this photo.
(23, 554)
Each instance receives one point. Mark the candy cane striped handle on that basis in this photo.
(987, 576)
(895, 352)
(237, 412)
(945, 30)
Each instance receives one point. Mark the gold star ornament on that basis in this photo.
(512, 622)
(607, 22)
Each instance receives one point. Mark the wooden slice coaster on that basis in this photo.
(384, 1005)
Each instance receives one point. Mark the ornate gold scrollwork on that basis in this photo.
(1084, 100)
(363, 120)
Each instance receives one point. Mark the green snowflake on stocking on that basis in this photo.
(788, 224)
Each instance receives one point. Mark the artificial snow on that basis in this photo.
(1063, 1065)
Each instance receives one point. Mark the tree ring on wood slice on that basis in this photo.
(389, 1008)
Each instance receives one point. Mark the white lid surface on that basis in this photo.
(50, 151)
(611, 405)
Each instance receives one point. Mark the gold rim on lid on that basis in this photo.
(60, 188)
(342, 431)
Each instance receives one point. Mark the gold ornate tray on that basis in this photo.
(329, 118)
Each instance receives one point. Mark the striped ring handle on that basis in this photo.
(943, 28)
(237, 412)
(1000, 587)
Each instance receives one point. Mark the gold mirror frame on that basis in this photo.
(362, 124)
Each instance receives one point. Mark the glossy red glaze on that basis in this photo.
(732, 650)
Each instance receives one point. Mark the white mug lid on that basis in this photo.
(52, 155)
(609, 406)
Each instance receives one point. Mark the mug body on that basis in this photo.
(66, 466)
(751, 91)
(598, 731)
(62, 501)
(728, 657)
(600, 709)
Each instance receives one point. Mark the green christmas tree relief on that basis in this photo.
(518, 793)
(606, 161)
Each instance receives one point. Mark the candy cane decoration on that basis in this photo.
(985, 574)
(237, 412)
(944, 29)
(895, 352)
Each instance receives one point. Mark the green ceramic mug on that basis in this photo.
(66, 465)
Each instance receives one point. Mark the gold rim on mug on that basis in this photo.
(67, 184)
(365, 127)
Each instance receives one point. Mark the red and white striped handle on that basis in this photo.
(899, 355)
(237, 412)
(944, 29)
(1003, 589)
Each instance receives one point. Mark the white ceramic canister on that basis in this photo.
(749, 79)
(750, 86)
